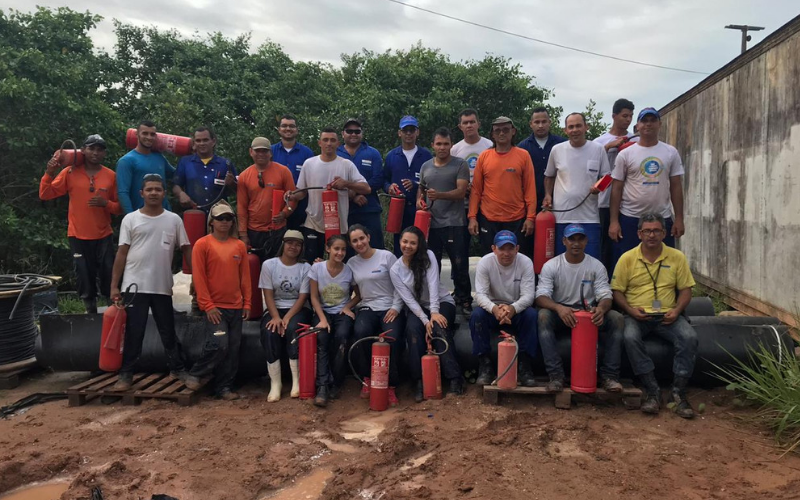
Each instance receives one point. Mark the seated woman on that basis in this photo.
(431, 309)
(284, 284)
(379, 309)
(331, 289)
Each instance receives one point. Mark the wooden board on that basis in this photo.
(631, 396)
(145, 386)
(11, 379)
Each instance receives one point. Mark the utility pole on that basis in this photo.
(744, 29)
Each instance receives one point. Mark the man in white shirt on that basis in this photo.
(504, 291)
(573, 281)
(572, 170)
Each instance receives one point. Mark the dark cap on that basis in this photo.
(351, 120)
(94, 140)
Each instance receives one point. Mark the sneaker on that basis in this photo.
(365, 389)
(229, 396)
(611, 385)
(193, 383)
(124, 382)
(556, 384)
(321, 399)
(393, 401)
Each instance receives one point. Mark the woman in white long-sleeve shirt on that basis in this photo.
(431, 310)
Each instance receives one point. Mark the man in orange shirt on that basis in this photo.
(503, 193)
(222, 280)
(92, 190)
(258, 226)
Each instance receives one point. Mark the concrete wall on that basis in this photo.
(738, 133)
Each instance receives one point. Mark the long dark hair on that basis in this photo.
(420, 262)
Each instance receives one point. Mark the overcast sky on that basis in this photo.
(686, 34)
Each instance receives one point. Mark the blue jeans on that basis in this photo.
(483, 323)
(417, 345)
(610, 334)
(370, 323)
(630, 237)
(680, 334)
(592, 235)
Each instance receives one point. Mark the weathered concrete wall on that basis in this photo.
(739, 138)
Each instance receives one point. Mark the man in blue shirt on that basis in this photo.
(401, 170)
(365, 210)
(139, 162)
(291, 154)
(201, 178)
(538, 145)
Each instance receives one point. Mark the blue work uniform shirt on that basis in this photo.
(396, 168)
(292, 159)
(369, 163)
(203, 183)
(539, 156)
(131, 169)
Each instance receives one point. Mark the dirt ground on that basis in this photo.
(455, 448)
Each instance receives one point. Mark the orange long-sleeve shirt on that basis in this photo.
(85, 222)
(503, 187)
(221, 273)
(254, 203)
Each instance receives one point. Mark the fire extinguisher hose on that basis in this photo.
(377, 338)
(129, 302)
(287, 194)
(306, 331)
(511, 363)
(441, 339)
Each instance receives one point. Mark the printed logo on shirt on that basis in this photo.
(332, 294)
(472, 160)
(219, 182)
(366, 163)
(376, 271)
(651, 168)
(104, 190)
(286, 286)
(511, 170)
(237, 257)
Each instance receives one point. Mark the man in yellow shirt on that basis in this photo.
(652, 284)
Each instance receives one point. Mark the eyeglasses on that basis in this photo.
(224, 218)
(651, 232)
(91, 184)
(352, 131)
(260, 180)
(504, 130)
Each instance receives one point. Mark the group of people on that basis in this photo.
(484, 187)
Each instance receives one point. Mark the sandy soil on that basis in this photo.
(454, 448)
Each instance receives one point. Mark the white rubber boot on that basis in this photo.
(274, 382)
(295, 378)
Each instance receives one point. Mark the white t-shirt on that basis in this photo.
(497, 284)
(315, 173)
(604, 200)
(334, 293)
(152, 241)
(470, 153)
(286, 282)
(542, 142)
(374, 283)
(403, 281)
(410, 154)
(576, 170)
(646, 172)
(562, 281)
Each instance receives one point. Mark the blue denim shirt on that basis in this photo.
(203, 183)
(539, 156)
(396, 168)
(369, 163)
(294, 159)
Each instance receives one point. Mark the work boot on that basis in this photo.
(485, 372)
(556, 383)
(365, 389)
(419, 394)
(228, 395)
(193, 383)
(611, 385)
(652, 394)
(295, 378)
(456, 386)
(334, 391)
(678, 396)
(124, 382)
(466, 307)
(393, 401)
(525, 374)
(90, 305)
(179, 374)
(321, 399)
(275, 384)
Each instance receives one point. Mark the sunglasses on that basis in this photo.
(224, 218)
(409, 130)
(352, 131)
(91, 184)
(260, 180)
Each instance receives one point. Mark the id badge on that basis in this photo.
(656, 305)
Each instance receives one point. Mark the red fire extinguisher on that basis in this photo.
(176, 144)
(194, 221)
(432, 371)
(379, 371)
(306, 341)
(72, 157)
(394, 220)
(112, 339)
(256, 300)
(330, 213)
(507, 354)
(583, 377)
(544, 239)
(422, 220)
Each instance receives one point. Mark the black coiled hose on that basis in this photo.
(17, 328)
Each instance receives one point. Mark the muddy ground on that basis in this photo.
(455, 448)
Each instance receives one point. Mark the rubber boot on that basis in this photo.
(485, 372)
(275, 385)
(525, 374)
(678, 396)
(652, 395)
(295, 378)
(321, 399)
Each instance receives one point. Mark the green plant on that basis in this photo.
(69, 303)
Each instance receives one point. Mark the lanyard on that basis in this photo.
(655, 280)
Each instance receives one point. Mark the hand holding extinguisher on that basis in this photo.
(112, 339)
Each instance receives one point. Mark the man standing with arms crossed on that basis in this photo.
(137, 163)
(148, 238)
(538, 145)
(292, 155)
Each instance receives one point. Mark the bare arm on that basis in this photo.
(116, 272)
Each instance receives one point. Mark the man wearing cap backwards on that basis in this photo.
(92, 190)
(137, 163)
(202, 177)
(258, 226)
(648, 177)
(221, 276)
(572, 170)
(571, 282)
(504, 291)
(365, 209)
(329, 171)
(644, 284)
(503, 190)
(292, 154)
(401, 171)
(147, 241)
(539, 145)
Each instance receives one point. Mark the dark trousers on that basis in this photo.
(370, 323)
(467, 244)
(610, 334)
(487, 230)
(680, 334)
(630, 237)
(298, 217)
(220, 354)
(451, 240)
(93, 260)
(266, 243)
(483, 323)
(418, 346)
(136, 323)
(332, 349)
(606, 243)
(409, 213)
(314, 244)
(274, 344)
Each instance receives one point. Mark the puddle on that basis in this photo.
(306, 488)
(341, 447)
(413, 464)
(50, 491)
(366, 428)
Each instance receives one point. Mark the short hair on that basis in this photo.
(443, 132)
(652, 217)
(328, 130)
(540, 109)
(205, 129)
(152, 178)
(145, 123)
(288, 116)
(467, 112)
(573, 114)
(621, 104)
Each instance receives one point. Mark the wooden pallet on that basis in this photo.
(631, 396)
(11, 380)
(145, 386)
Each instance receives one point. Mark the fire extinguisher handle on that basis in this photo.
(129, 302)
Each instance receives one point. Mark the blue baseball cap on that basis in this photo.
(408, 121)
(504, 237)
(648, 111)
(574, 229)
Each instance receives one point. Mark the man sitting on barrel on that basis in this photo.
(644, 284)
